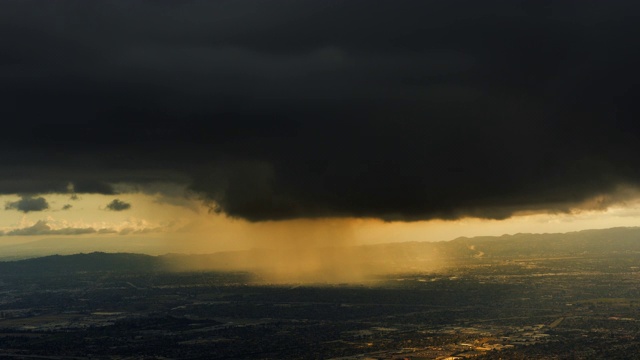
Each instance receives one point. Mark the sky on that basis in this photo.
(222, 125)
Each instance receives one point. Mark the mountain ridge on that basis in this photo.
(409, 254)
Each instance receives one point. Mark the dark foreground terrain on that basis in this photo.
(569, 306)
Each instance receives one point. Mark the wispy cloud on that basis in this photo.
(45, 227)
(42, 228)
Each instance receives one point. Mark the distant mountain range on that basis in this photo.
(406, 255)
(81, 244)
(621, 239)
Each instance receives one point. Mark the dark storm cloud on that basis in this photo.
(28, 203)
(118, 205)
(271, 110)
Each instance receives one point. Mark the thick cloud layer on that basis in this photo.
(272, 110)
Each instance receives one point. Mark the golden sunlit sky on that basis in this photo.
(159, 224)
